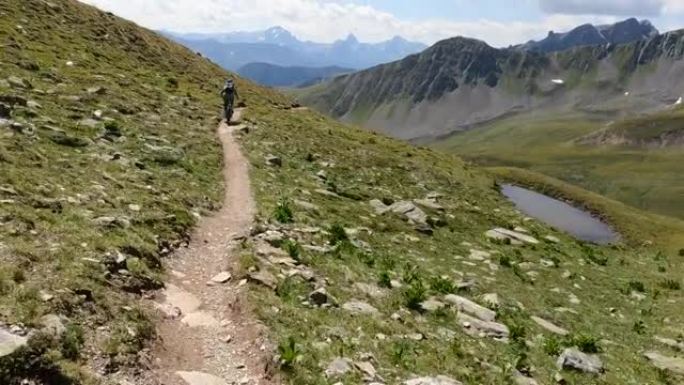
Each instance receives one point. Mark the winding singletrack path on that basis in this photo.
(207, 336)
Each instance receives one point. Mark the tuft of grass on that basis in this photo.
(337, 234)
(283, 212)
(442, 285)
(288, 353)
(671, 284)
(414, 294)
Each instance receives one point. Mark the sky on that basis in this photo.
(498, 22)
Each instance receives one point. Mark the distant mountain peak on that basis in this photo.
(625, 31)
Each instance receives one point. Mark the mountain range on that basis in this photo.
(280, 47)
(281, 76)
(461, 83)
(587, 34)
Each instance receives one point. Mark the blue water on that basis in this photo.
(560, 215)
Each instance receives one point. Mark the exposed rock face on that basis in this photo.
(574, 359)
(456, 84)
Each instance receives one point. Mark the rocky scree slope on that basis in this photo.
(461, 83)
(108, 155)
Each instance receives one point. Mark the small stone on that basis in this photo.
(97, 90)
(135, 208)
(549, 326)
(574, 359)
(338, 367)
(491, 299)
(359, 307)
(502, 234)
(199, 378)
(438, 380)
(432, 304)
(45, 296)
(320, 297)
(222, 277)
(264, 278)
(552, 239)
(273, 160)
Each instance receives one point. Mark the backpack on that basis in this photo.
(229, 88)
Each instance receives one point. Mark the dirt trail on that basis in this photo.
(207, 337)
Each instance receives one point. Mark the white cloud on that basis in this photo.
(327, 20)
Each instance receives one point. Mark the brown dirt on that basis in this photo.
(199, 316)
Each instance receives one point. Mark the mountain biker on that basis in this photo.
(229, 94)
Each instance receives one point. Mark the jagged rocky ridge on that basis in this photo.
(459, 83)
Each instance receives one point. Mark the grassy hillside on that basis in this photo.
(91, 202)
(339, 242)
(107, 154)
(627, 161)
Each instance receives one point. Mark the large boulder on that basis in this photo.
(662, 362)
(10, 342)
(573, 359)
(478, 328)
(467, 306)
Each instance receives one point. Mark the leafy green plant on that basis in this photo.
(292, 248)
(552, 346)
(505, 260)
(289, 353)
(639, 327)
(337, 234)
(442, 285)
(584, 342)
(671, 284)
(283, 212)
(384, 279)
(414, 294)
(72, 342)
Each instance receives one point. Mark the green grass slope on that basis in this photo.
(613, 300)
(89, 208)
(630, 161)
(106, 159)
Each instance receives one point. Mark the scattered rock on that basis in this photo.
(491, 299)
(467, 306)
(18, 82)
(112, 222)
(96, 90)
(306, 205)
(338, 367)
(438, 380)
(432, 305)
(370, 290)
(502, 234)
(368, 370)
(273, 160)
(478, 255)
(379, 207)
(360, 307)
(549, 326)
(53, 325)
(678, 345)
(33, 104)
(552, 239)
(222, 277)
(320, 297)
(671, 364)
(574, 359)
(479, 328)
(199, 378)
(521, 379)
(429, 204)
(10, 342)
(264, 278)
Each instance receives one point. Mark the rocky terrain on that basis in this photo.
(412, 269)
(461, 83)
(626, 31)
(278, 46)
